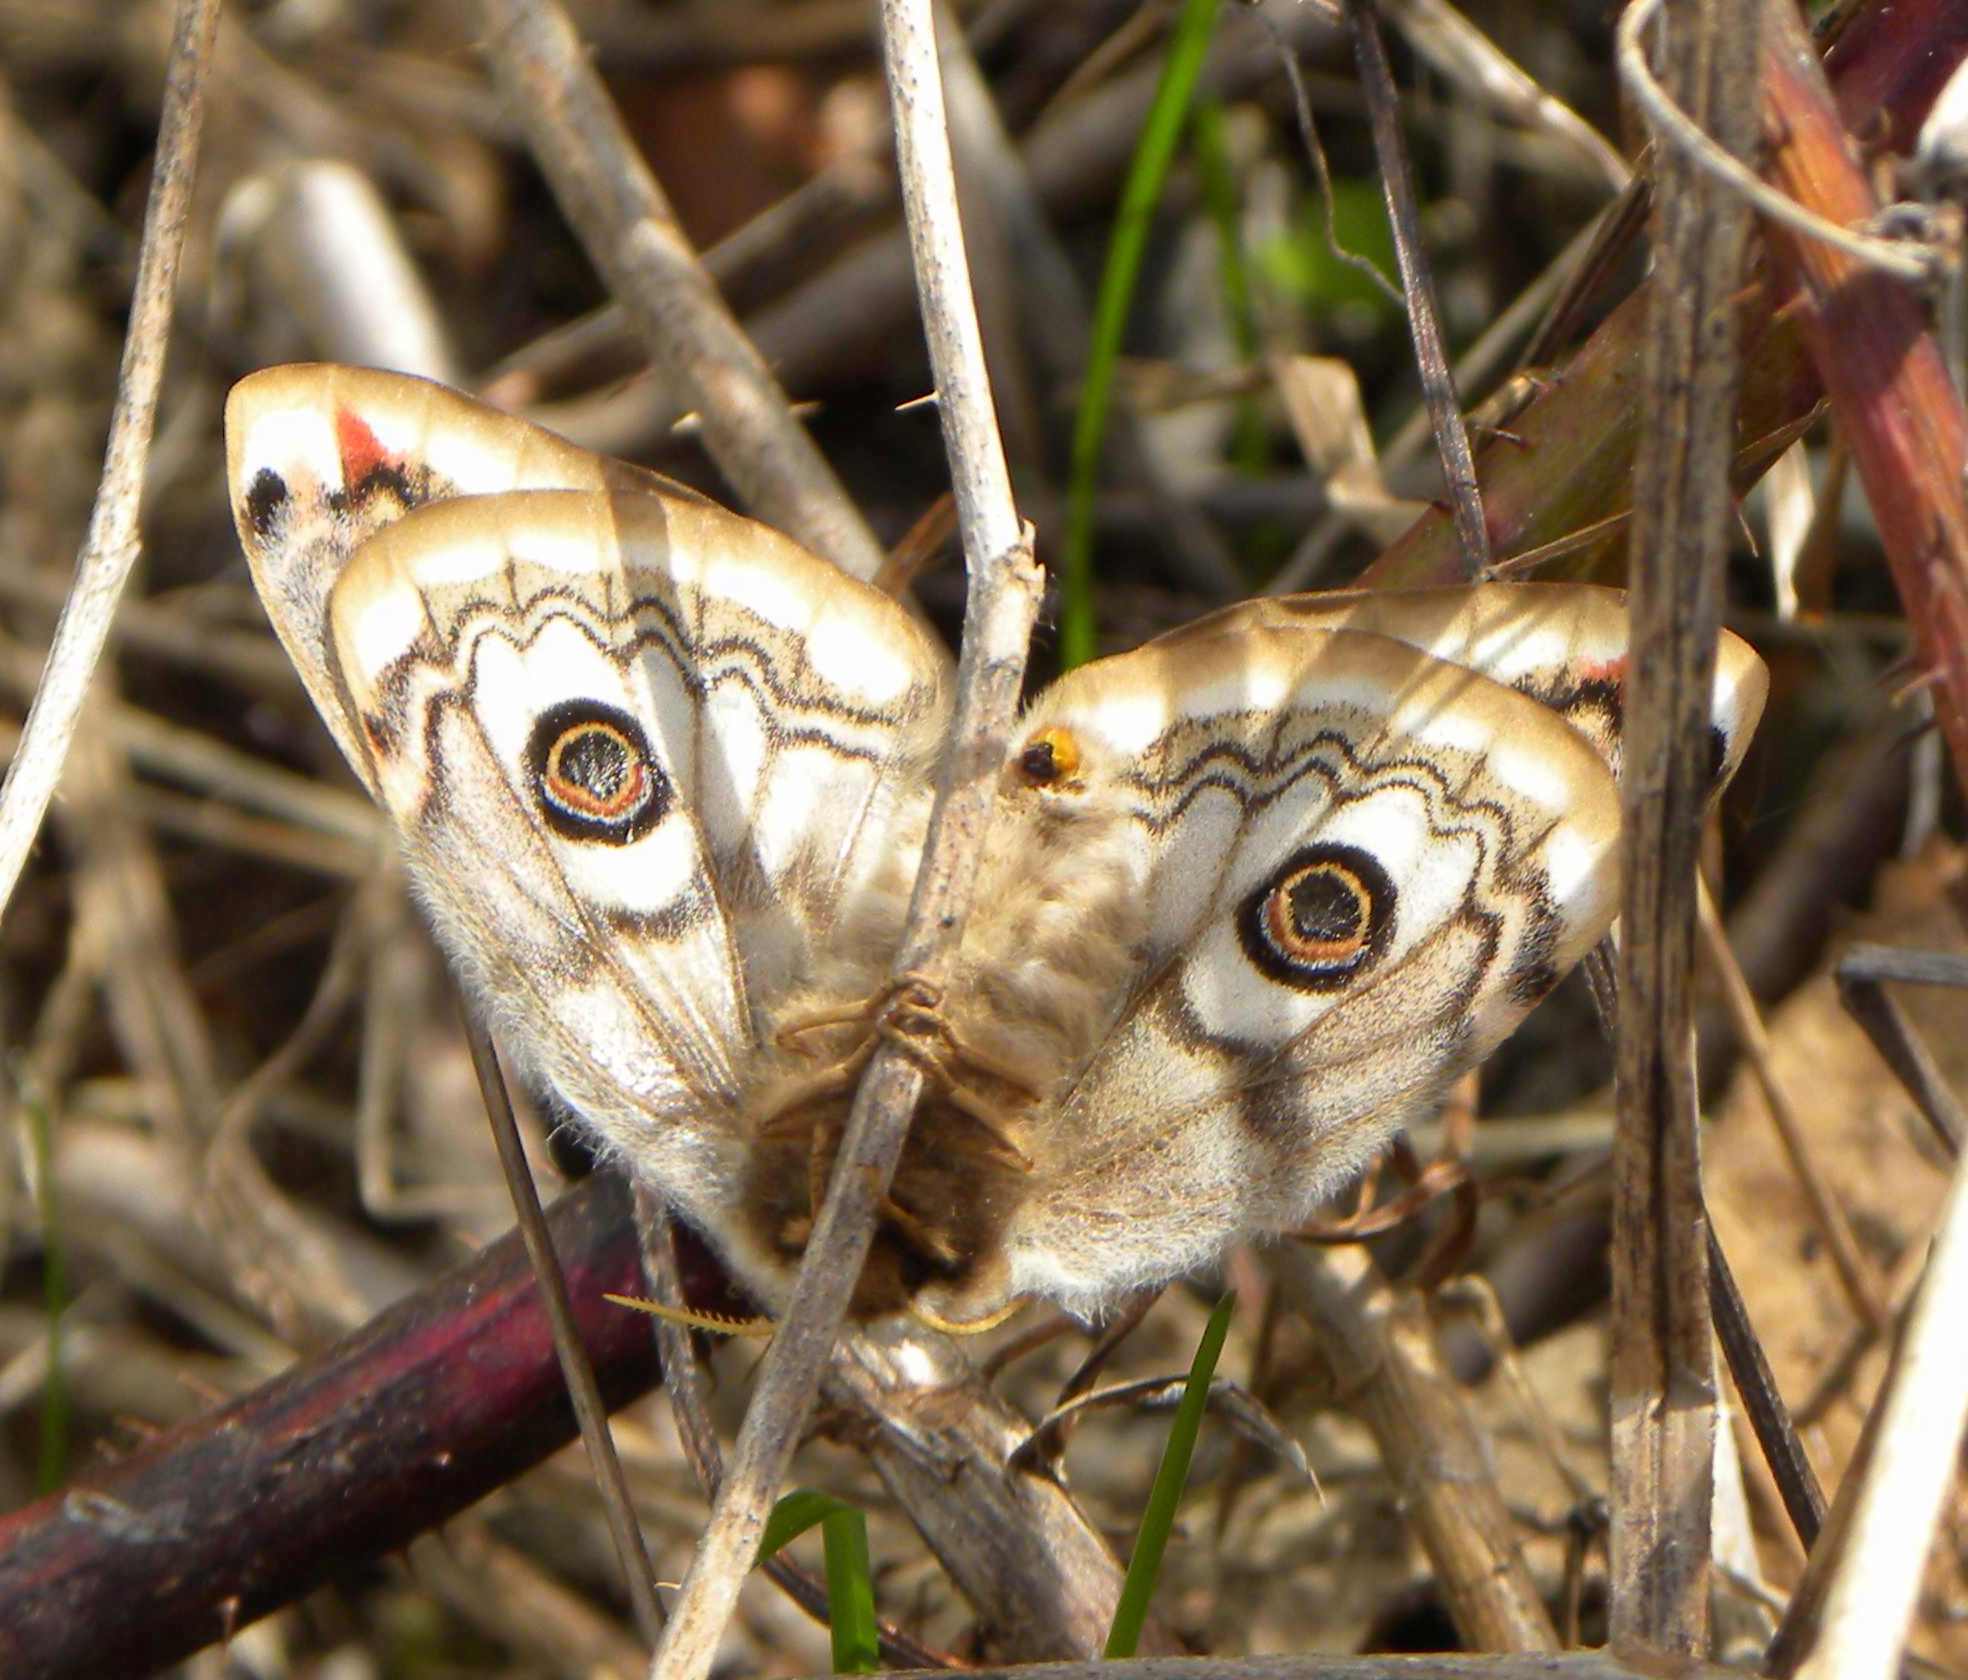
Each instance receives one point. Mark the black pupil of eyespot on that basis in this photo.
(1325, 907)
(594, 758)
(1038, 763)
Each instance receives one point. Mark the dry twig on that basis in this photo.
(1003, 602)
(1663, 1377)
(615, 204)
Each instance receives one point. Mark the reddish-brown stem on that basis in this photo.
(1881, 367)
(450, 1394)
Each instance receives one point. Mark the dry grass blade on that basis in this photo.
(1663, 1383)
(638, 1579)
(1862, 974)
(1796, 1481)
(686, 1387)
(242, 1109)
(1853, 1272)
(1383, 1351)
(1016, 1544)
(336, 1454)
(1572, 462)
(1880, 1531)
(111, 548)
(1446, 38)
(1431, 356)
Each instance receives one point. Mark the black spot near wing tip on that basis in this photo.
(1534, 971)
(391, 480)
(266, 496)
(1718, 754)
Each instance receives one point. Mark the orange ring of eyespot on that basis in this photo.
(1051, 756)
(1349, 931)
(581, 796)
(1281, 915)
(618, 795)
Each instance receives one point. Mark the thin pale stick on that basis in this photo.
(1870, 1604)
(631, 234)
(1039, 1574)
(1473, 1293)
(209, 767)
(1315, 152)
(110, 549)
(997, 627)
(245, 657)
(1673, 128)
(1382, 1346)
(575, 1368)
(685, 1383)
(1776, 1432)
(979, 477)
(1480, 71)
(1472, 370)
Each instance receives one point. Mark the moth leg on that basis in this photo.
(911, 1018)
(919, 1236)
(849, 1015)
(821, 1155)
(892, 999)
(985, 1118)
(975, 1060)
(785, 1117)
(935, 1059)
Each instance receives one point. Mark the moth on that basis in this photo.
(1253, 893)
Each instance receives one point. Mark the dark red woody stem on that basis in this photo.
(446, 1396)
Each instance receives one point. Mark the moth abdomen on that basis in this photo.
(961, 1176)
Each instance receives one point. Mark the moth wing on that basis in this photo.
(641, 754)
(1347, 869)
(1564, 644)
(319, 457)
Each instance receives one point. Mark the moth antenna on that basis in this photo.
(718, 1324)
(968, 1326)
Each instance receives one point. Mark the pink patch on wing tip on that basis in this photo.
(1603, 670)
(362, 451)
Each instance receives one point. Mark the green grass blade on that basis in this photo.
(850, 1580)
(792, 1516)
(850, 1593)
(1156, 1522)
(1078, 637)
